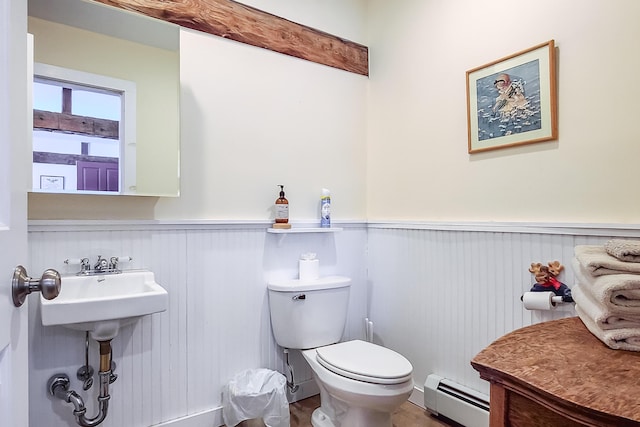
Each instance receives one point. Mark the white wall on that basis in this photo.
(418, 165)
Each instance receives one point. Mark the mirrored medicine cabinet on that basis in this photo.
(88, 55)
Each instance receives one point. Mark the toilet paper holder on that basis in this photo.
(545, 300)
(548, 291)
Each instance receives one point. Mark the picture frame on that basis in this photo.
(512, 101)
(51, 182)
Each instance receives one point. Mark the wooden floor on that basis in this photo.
(408, 415)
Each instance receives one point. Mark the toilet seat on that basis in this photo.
(364, 361)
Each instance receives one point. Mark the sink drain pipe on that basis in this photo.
(58, 386)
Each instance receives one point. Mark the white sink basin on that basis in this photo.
(101, 304)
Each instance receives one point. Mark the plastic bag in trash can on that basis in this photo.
(256, 393)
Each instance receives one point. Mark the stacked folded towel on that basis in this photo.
(624, 250)
(607, 291)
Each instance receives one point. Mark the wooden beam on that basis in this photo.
(245, 24)
(68, 159)
(70, 123)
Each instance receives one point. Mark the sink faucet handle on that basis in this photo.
(83, 262)
(76, 261)
(101, 264)
(114, 260)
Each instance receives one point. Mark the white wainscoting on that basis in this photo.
(440, 293)
(437, 293)
(173, 365)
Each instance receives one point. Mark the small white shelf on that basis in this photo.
(303, 230)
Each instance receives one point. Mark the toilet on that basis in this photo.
(360, 383)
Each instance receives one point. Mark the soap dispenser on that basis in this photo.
(282, 210)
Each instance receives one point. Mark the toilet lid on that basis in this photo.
(364, 361)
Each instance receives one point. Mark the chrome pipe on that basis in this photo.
(58, 386)
(75, 399)
(103, 404)
(293, 387)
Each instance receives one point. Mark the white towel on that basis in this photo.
(619, 293)
(617, 339)
(604, 317)
(598, 262)
(624, 250)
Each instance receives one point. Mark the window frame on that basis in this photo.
(127, 125)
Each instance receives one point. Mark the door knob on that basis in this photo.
(22, 285)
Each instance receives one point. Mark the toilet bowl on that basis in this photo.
(361, 384)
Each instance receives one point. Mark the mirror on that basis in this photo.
(81, 38)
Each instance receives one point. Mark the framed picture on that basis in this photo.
(50, 182)
(512, 101)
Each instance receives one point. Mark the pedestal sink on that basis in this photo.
(103, 303)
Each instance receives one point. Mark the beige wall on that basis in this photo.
(252, 119)
(418, 165)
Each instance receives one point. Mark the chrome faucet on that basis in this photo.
(102, 264)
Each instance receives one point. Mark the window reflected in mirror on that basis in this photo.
(80, 141)
(76, 143)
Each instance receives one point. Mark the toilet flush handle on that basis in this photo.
(299, 297)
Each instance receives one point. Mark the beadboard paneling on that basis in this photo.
(437, 293)
(440, 296)
(174, 364)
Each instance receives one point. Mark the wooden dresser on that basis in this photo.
(558, 374)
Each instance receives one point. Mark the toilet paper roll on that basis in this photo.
(538, 300)
(309, 269)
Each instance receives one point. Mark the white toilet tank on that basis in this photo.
(309, 313)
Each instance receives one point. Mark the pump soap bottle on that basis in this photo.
(282, 211)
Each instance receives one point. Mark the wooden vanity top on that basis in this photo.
(562, 367)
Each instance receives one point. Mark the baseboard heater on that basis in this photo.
(456, 402)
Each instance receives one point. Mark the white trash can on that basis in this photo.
(256, 393)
